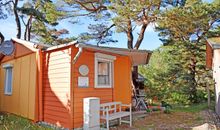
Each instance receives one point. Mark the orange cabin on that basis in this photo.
(49, 83)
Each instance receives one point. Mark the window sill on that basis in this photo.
(7, 94)
(103, 87)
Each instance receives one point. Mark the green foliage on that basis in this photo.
(179, 98)
(148, 110)
(12, 122)
(38, 16)
(163, 74)
(193, 108)
(132, 10)
(43, 15)
(167, 111)
(50, 36)
(168, 77)
(186, 30)
(101, 33)
(195, 19)
(123, 15)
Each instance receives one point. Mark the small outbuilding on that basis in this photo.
(48, 83)
(213, 62)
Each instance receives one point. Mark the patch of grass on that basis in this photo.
(190, 108)
(199, 118)
(13, 122)
(147, 127)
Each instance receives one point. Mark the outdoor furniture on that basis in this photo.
(115, 110)
(139, 102)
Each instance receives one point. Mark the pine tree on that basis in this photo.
(43, 13)
(187, 29)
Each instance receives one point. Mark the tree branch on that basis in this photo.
(206, 31)
(4, 4)
(94, 9)
(2, 38)
(23, 21)
(141, 36)
(78, 15)
(104, 33)
(107, 29)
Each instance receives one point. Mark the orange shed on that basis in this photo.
(49, 83)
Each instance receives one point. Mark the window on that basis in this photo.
(104, 73)
(103, 70)
(8, 79)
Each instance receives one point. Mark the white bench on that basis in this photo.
(115, 110)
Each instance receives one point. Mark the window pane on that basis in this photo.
(103, 73)
(103, 80)
(103, 68)
(8, 80)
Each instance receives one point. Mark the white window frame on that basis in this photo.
(6, 83)
(109, 59)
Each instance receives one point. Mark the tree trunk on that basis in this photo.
(134, 77)
(17, 20)
(208, 91)
(192, 89)
(130, 35)
(141, 36)
(27, 33)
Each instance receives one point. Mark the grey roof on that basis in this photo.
(214, 42)
(137, 57)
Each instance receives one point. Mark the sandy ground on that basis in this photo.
(173, 121)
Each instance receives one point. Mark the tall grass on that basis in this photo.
(13, 122)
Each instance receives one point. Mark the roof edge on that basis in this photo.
(113, 49)
(61, 45)
(214, 45)
(30, 45)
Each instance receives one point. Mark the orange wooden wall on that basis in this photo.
(121, 90)
(56, 87)
(61, 94)
(209, 56)
(122, 80)
(106, 94)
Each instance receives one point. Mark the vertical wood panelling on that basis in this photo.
(22, 100)
(32, 90)
(24, 88)
(16, 86)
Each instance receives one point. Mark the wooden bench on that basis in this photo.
(115, 110)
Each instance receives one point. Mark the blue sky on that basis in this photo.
(151, 40)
